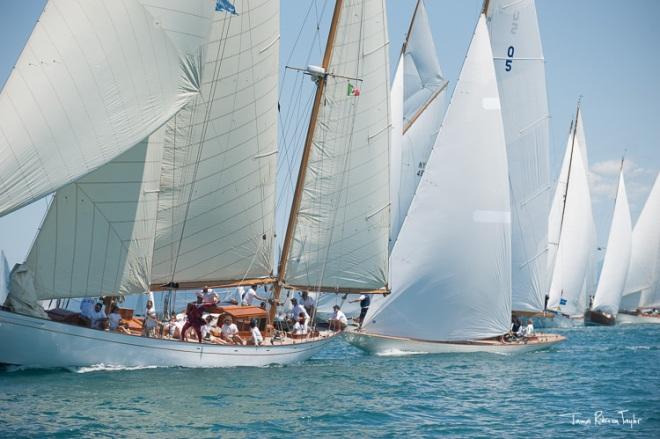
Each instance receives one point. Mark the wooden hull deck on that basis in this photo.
(389, 345)
(597, 318)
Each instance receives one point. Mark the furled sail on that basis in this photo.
(643, 281)
(519, 65)
(97, 236)
(571, 229)
(95, 78)
(418, 104)
(452, 258)
(342, 225)
(217, 200)
(617, 259)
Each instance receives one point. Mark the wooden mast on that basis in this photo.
(302, 172)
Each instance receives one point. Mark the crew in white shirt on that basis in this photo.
(296, 309)
(307, 302)
(338, 321)
(98, 317)
(250, 297)
(529, 329)
(301, 328)
(229, 332)
(257, 339)
(87, 307)
(209, 296)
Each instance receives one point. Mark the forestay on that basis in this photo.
(571, 229)
(97, 236)
(95, 78)
(643, 278)
(520, 70)
(216, 205)
(617, 259)
(451, 266)
(418, 104)
(340, 239)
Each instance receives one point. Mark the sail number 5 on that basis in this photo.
(509, 53)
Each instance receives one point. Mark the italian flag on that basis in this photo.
(352, 90)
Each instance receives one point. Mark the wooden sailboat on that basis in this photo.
(605, 306)
(451, 264)
(193, 203)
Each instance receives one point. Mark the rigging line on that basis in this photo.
(293, 48)
(218, 63)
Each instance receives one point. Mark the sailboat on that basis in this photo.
(642, 289)
(571, 231)
(451, 264)
(190, 200)
(612, 280)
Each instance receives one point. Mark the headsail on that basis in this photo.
(95, 78)
(617, 259)
(643, 281)
(519, 65)
(341, 227)
(452, 258)
(217, 201)
(418, 102)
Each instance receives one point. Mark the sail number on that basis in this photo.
(509, 52)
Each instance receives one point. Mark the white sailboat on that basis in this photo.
(606, 301)
(642, 290)
(571, 230)
(451, 264)
(193, 204)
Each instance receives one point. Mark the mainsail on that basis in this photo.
(617, 259)
(519, 65)
(452, 258)
(643, 281)
(341, 226)
(95, 78)
(418, 104)
(571, 229)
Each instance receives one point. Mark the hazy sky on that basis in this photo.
(605, 50)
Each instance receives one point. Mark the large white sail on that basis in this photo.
(643, 281)
(617, 259)
(217, 200)
(418, 104)
(519, 65)
(95, 78)
(342, 228)
(574, 235)
(97, 236)
(451, 265)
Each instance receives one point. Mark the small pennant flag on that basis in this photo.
(563, 301)
(352, 90)
(225, 5)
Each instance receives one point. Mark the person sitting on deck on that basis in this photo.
(298, 309)
(150, 320)
(172, 329)
(365, 301)
(301, 328)
(229, 332)
(194, 312)
(338, 321)
(210, 297)
(250, 296)
(115, 322)
(515, 325)
(256, 337)
(98, 318)
(528, 331)
(308, 303)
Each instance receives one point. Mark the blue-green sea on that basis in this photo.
(585, 387)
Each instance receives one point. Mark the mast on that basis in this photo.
(570, 163)
(302, 172)
(412, 21)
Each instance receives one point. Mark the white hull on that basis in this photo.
(34, 342)
(387, 345)
(628, 319)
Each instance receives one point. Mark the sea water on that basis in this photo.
(602, 382)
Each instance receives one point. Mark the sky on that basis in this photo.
(603, 50)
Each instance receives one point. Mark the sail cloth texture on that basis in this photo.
(451, 266)
(217, 202)
(617, 259)
(411, 143)
(520, 70)
(576, 235)
(95, 78)
(643, 278)
(340, 239)
(97, 236)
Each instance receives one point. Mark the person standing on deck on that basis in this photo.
(365, 301)
(194, 313)
(251, 295)
(307, 302)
